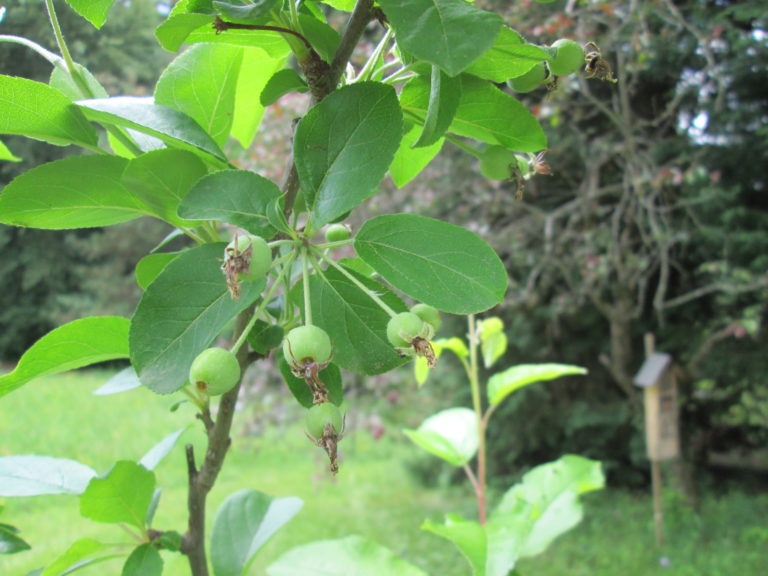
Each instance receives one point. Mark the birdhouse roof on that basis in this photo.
(652, 369)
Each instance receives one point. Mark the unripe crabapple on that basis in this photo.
(307, 343)
(429, 314)
(215, 371)
(568, 58)
(319, 415)
(403, 328)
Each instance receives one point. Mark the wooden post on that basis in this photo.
(658, 512)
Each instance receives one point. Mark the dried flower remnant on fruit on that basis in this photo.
(236, 262)
(540, 166)
(411, 335)
(329, 442)
(596, 66)
(309, 371)
(423, 347)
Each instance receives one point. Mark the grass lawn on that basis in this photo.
(373, 495)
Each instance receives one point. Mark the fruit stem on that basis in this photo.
(64, 49)
(305, 280)
(336, 244)
(474, 382)
(53, 59)
(196, 399)
(383, 305)
(462, 146)
(405, 73)
(368, 69)
(267, 298)
(276, 243)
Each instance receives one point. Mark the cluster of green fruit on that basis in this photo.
(308, 348)
(567, 56)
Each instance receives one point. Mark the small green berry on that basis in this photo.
(337, 233)
(307, 343)
(429, 314)
(261, 255)
(403, 328)
(568, 58)
(321, 414)
(215, 371)
(531, 80)
(496, 161)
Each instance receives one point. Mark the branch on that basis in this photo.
(361, 16)
(202, 480)
(323, 80)
(222, 26)
(759, 284)
(692, 367)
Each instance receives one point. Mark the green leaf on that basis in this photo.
(409, 161)
(123, 381)
(174, 128)
(145, 560)
(161, 180)
(257, 68)
(444, 97)
(41, 475)
(185, 25)
(250, 12)
(154, 503)
(10, 543)
(238, 197)
(95, 11)
(271, 42)
(122, 495)
(352, 555)
(159, 451)
(80, 343)
(173, 32)
(355, 323)
(80, 553)
(449, 33)
(244, 523)
(455, 345)
(276, 217)
(421, 370)
(451, 435)
(38, 111)
(324, 39)
(493, 341)
(330, 376)
(434, 262)
(485, 113)
(504, 383)
(150, 267)
(510, 56)
(468, 536)
(202, 83)
(343, 147)
(62, 81)
(7, 155)
(281, 83)
(180, 315)
(265, 336)
(75, 192)
(539, 509)
(345, 5)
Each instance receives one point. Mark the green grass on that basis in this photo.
(373, 495)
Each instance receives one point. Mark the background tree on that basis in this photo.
(653, 220)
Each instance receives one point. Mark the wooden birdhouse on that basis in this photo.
(659, 384)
